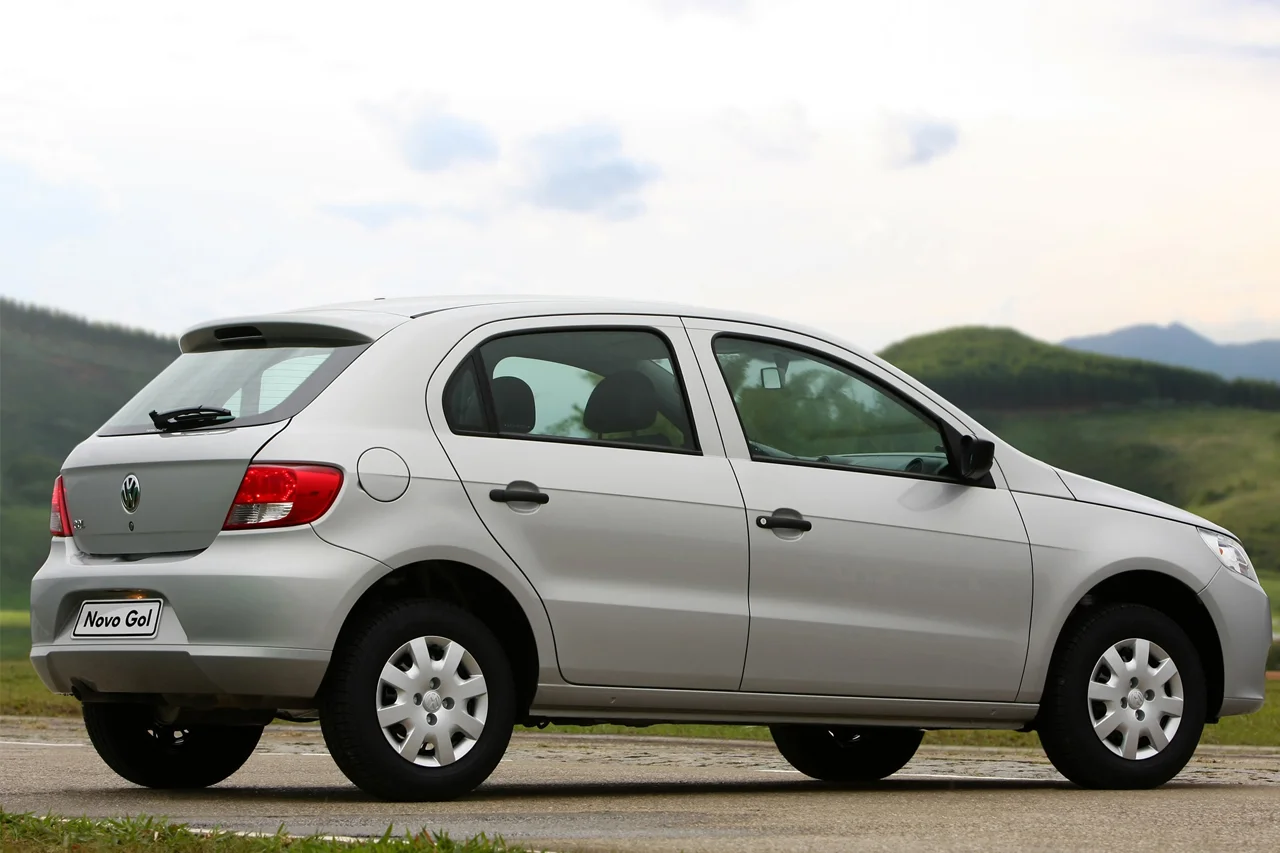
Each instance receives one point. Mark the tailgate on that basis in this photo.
(179, 485)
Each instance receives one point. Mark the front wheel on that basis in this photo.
(1126, 700)
(846, 753)
(147, 752)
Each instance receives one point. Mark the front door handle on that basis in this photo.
(790, 520)
(522, 493)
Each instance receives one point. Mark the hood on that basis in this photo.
(1097, 492)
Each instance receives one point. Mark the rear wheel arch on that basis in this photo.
(470, 589)
(1168, 595)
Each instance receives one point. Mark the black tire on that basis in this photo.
(146, 752)
(1065, 721)
(348, 715)
(846, 753)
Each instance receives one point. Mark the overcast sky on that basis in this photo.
(879, 169)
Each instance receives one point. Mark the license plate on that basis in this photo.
(138, 617)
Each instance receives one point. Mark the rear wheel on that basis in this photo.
(419, 703)
(1126, 699)
(846, 753)
(147, 752)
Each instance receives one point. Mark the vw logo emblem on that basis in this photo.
(130, 493)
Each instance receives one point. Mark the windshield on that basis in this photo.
(257, 385)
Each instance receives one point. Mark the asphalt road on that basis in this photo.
(564, 792)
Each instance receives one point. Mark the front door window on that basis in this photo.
(798, 407)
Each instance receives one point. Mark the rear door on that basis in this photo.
(588, 447)
(134, 489)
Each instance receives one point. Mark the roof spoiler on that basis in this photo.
(319, 329)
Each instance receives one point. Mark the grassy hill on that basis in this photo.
(60, 379)
(983, 369)
(1192, 439)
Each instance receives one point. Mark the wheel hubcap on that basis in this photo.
(1135, 699)
(432, 701)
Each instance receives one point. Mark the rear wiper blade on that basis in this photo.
(190, 418)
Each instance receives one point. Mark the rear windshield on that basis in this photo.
(258, 385)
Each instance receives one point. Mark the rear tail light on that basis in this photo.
(59, 519)
(282, 496)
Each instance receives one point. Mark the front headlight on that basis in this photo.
(1229, 552)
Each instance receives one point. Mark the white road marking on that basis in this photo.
(35, 743)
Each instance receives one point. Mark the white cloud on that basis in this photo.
(584, 170)
(431, 139)
(783, 132)
(916, 140)
(711, 7)
(213, 160)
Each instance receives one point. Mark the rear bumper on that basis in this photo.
(1242, 615)
(246, 673)
(254, 615)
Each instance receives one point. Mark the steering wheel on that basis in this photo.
(915, 466)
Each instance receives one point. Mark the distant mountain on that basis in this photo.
(1178, 345)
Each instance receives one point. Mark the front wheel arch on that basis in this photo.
(1168, 595)
(1095, 738)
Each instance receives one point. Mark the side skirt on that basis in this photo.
(652, 705)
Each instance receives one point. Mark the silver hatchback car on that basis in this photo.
(425, 521)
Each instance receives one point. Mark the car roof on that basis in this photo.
(417, 306)
(374, 317)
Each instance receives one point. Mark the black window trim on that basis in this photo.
(490, 412)
(471, 363)
(908, 402)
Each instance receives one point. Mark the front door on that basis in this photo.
(874, 572)
(598, 468)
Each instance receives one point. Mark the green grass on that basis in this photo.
(15, 619)
(15, 635)
(15, 643)
(25, 833)
(22, 693)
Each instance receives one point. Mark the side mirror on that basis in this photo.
(976, 457)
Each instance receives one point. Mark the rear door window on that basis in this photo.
(258, 385)
(613, 386)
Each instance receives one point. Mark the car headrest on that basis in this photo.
(625, 401)
(513, 402)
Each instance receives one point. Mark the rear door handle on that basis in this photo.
(784, 522)
(519, 494)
